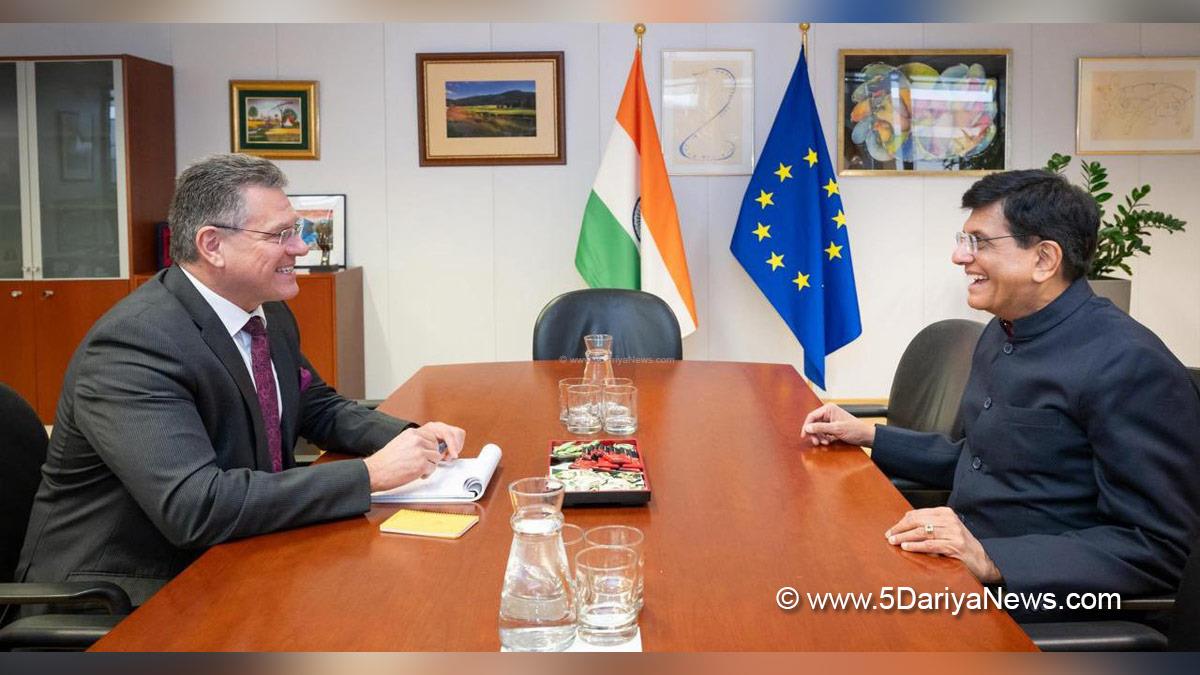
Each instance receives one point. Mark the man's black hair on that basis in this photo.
(1041, 203)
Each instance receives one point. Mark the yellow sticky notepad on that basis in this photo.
(429, 523)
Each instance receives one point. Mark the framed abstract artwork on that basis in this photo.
(490, 108)
(708, 111)
(322, 221)
(275, 118)
(1138, 105)
(922, 111)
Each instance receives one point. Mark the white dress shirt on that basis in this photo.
(234, 319)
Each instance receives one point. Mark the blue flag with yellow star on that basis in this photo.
(792, 236)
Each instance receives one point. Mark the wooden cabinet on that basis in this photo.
(87, 167)
(43, 323)
(329, 311)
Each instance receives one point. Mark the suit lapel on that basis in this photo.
(217, 338)
(287, 371)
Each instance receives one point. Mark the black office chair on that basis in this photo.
(22, 453)
(642, 325)
(1132, 635)
(926, 391)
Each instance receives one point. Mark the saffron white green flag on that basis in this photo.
(630, 235)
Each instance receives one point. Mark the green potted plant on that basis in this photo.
(1121, 236)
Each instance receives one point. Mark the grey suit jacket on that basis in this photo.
(159, 449)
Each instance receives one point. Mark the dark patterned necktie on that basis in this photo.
(264, 383)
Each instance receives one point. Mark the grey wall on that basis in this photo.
(458, 261)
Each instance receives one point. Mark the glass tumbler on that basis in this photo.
(620, 409)
(606, 578)
(583, 409)
(628, 537)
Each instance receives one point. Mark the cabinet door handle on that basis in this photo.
(17, 294)
(47, 293)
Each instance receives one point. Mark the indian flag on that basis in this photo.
(630, 235)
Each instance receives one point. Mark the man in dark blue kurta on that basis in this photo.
(1080, 467)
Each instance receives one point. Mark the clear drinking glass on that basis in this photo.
(628, 537)
(583, 409)
(620, 409)
(607, 576)
(572, 536)
(562, 395)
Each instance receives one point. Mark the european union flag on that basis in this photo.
(792, 236)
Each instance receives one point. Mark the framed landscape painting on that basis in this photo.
(1138, 105)
(275, 119)
(491, 108)
(922, 111)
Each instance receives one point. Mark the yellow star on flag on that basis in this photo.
(763, 231)
(811, 158)
(834, 251)
(764, 198)
(831, 188)
(840, 219)
(801, 281)
(784, 172)
(776, 261)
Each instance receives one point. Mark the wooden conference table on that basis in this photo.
(741, 507)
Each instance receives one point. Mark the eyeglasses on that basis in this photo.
(282, 237)
(972, 241)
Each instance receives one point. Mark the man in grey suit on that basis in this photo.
(180, 407)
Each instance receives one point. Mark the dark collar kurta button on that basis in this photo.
(976, 463)
(987, 403)
(1008, 347)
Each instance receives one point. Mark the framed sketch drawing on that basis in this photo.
(276, 119)
(922, 111)
(1138, 105)
(708, 111)
(322, 221)
(489, 108)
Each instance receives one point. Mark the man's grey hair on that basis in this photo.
(210, 192)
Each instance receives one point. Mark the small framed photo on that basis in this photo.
(491, 108)
(275, 118)
(708, 111)
(322, 220)
(932, 112)
(1138, 105)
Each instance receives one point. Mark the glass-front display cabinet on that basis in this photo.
(62, 170)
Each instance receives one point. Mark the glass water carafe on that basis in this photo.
(537, 602)
(598, 354)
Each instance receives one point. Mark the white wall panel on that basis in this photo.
(458, 261)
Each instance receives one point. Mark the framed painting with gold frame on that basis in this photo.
(275, 118)
(931, 112)
(489, 108)
(1143, 105)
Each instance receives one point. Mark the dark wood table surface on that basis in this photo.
(741, 507)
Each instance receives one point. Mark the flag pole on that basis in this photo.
(639, 30)
(803, 39)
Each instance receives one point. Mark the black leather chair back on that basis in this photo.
(932, 374)
(1185, 618)
(642, 325)
(22, 452)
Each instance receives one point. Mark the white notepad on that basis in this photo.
(460, 480)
